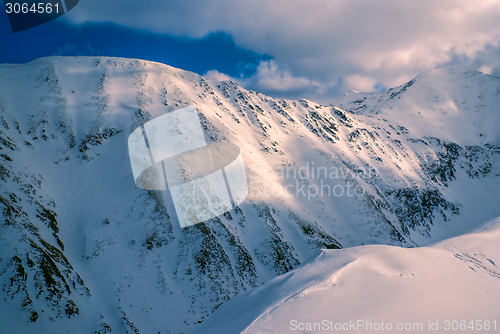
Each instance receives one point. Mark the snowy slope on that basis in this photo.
(455, 104)
(81, 244)
(378, 289)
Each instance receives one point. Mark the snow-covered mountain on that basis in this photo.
(82, 249)
(452, 286)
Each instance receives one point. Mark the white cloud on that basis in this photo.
(217, 76)
(485, 69)
(270, 77)
(323, 47)
(361, 83)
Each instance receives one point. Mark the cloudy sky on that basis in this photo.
(315, 49)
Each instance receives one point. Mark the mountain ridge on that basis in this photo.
(454, 279)
(81, 241)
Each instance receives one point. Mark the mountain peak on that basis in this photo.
(457, 102)
(80, 240)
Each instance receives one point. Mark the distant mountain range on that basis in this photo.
(84, 250)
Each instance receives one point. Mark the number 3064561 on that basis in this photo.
(36, 8)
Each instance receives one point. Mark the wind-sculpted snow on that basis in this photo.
(452, 286)
(83, 249)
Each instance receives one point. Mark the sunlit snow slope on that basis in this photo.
(453, 286)
(83, 250)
